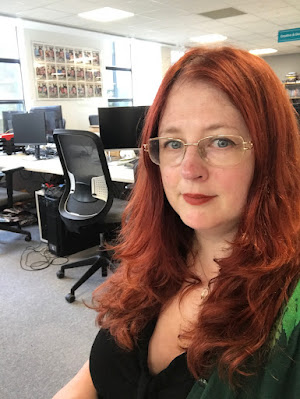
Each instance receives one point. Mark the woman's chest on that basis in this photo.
(168, 341)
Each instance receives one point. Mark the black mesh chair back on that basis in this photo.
(88, 194)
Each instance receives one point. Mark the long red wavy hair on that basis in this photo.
(236, 320)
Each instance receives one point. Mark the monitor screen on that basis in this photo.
(29, 129)
(121, 127)
(7, 120)
(53, 117)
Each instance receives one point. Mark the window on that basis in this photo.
(11, 89)
(147, 71)
(119, 74)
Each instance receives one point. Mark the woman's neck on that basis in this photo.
(208, 248)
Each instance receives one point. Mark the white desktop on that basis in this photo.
(119, 172)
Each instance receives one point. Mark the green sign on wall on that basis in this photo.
(288, 35)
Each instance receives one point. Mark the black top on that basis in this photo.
(118, 373)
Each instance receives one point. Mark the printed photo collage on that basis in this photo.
(62, 72)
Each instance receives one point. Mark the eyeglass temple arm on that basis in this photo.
(248, 145)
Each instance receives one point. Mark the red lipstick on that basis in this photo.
(197, 199)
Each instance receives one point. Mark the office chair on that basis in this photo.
(87, 201)
(94, 120)
(8, 197)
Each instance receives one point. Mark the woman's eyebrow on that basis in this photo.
(216, 126)
(173, 130)
(169, 131)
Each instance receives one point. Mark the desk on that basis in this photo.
(94, 129)
(118, 172)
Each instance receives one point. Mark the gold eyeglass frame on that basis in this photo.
(247, 145)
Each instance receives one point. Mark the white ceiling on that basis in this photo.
(174, 21)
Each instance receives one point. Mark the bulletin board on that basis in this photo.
(66, 72)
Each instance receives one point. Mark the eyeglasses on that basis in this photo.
(215, 150)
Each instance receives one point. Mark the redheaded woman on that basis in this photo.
(205, 302)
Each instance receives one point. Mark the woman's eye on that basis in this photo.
(173, 144)
(223, 143)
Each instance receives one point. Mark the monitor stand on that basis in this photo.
(37, 152)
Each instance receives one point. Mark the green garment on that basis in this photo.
(280, 378)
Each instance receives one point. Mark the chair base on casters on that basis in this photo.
(96, 263)
(15, 229)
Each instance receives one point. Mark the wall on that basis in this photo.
(75, 111)
(283, 64)
(166, 59)
(146, 71)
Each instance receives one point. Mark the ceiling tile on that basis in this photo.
(241, 20)
(40, 13)
(71, 6)
(171, 21)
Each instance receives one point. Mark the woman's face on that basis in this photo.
(207, 198)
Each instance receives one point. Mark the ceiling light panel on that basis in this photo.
(213, 38)
(106, 14)
(262, 51)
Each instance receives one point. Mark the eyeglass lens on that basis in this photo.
(216, 150)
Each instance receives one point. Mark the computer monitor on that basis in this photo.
(30, 129)
(7, 120)
(53, 117)
(121, 127)
(94, 120)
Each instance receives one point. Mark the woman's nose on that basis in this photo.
(192, 165)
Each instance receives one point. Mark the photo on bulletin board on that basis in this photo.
(49, 54)
(40, 72)
(53, 90)
(66, 72)
(81, 90)
(51, 72)
(88, 57)
(73, 91)
(79, 73)
(89, 76)
(69, 56)
(90, 90)
(78, 56)
(71, 73)
(38, 52)
(61, 72)
(60, 54)
(96, 58)
(97, 75)
(98, 90)
(42, 89)
(63, 90)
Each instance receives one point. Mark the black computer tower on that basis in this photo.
(61, 242)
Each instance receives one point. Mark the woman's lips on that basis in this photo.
(197, 199)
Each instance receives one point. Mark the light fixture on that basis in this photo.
(105, 14)
(214, 37)
(261, 51)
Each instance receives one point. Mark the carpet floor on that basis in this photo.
(44, 340)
